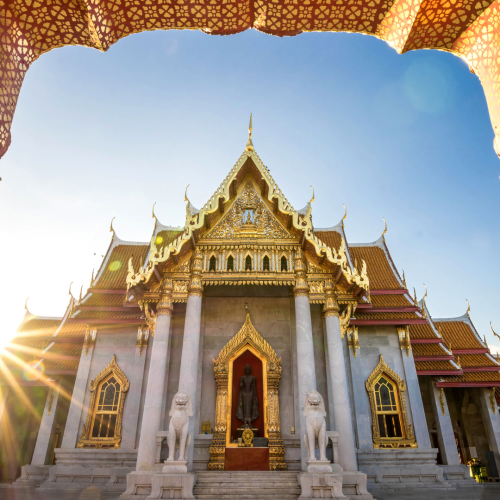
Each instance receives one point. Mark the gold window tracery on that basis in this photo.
(390, 425)
(102, 427)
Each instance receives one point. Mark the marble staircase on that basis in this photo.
(247, 485)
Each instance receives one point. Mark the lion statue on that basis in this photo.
(314, 411)
(182, 409)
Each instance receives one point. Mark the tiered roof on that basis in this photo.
(448, 348)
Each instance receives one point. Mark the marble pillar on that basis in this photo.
(153, 403)
(188, 377)
(491, 421)
(446, 436)
(416, 404)
(45, 437)
(77, 408)
(340, 391)
(306, 371)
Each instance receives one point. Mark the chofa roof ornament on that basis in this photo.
(249, 146)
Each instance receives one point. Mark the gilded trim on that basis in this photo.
(86, 441)
(247, 339)
(408, 440)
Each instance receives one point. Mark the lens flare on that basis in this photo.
(159, 240)
(34, 370)
(115, 265)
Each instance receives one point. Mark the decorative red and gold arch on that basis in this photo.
(467, 28)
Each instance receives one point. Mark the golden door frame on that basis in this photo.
(247, 339)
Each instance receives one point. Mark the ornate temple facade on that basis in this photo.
(247, 281)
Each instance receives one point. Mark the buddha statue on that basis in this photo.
(247, 409)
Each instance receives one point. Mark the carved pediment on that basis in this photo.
(248, 218)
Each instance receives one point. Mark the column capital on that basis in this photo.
(301, 288)
(195, 288)
(165, 306)
(331, 306)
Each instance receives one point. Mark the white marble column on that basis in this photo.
(491, 421)
(152, 414)
(188, 377)
(77, 408)
(45, 436)
(340, 392)
(446, 436)
(306, 370)
(416, 405)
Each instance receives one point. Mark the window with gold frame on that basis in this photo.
(386, 391)
(102, 427)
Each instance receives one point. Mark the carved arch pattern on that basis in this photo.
(247, 335)
(86, 440)
(408, 439)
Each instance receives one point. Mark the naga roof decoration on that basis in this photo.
(198, 220)
(469, 29)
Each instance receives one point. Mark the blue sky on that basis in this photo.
(405, 137)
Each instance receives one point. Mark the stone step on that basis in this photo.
(234, 480)
(280, 496)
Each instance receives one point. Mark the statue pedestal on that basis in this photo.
(319, 467)
(172, 485)
(175, 467)
(321, 485)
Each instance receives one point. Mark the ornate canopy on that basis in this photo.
(468, 29)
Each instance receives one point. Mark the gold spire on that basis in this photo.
(385, 228)
(425, 294)
(345, 215)
(111, 230)
(249, 146)
(154, 216)
(491, 326)
(404, 279)
(312, 199)
(186, 193)
(80, 297)
(92, 279)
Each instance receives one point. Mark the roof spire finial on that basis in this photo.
(111, 230)
(345, 215)
(186, 193)
(425, 294)
(491, 326)
(69, 292)
(385, 228)
(80, 297)
(312, 199)
(468, 307)
(92, 279)
(249, 146)
(404, 280)
(26, 307)
(153, 215)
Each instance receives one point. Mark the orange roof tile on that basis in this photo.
(434, 365)
(330, 238)
(391, 301)
(422, 332)
(459, 334)
(475, 377)
(379, 270)
(473, 360)
(165, 237)
(428, 349)
(365, 314)
(103, 300)
(34, 331)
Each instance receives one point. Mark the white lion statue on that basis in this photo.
(314, 411)
(182, 409)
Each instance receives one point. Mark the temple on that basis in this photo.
(156, 350)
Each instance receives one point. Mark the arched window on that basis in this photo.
(265, 263)
(230, 263)
(213, 263)
(387, 408)
(103, 425)
(106, 413)
(284, 264)
(248, 263)
(386, 390)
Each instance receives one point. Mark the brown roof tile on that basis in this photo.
(330, 238)
(422, 332)
(104, 299)
(434, 365)
(379, 270)
(473, 360)
(361, 314)
(475, 377)
(116, 266)
(459, 334)
(391, 301)
(34, 331)
(428, 349)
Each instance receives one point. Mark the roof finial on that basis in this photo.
(312, 199)
(404, 279)
(26, 307)
(111, 230)
(415, 296)
(491, 326)
(80, 297)
(186, 193)
(249, 146)
(345, 215)
(92, 279)
(468, 307)
(153, 210)
(425, 294)
(385, 229)
(69, 292)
